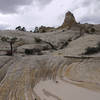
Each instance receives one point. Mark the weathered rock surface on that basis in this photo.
(20, 74)
(44, 29)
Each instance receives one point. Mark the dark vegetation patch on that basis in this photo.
(37, 40)
(93, 30)
(34, 51)
(64, 44)
(4, 38)
(92, 50)
(11, 42)
(8, 53)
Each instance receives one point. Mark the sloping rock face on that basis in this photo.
(69, 20)
(24, 73)
(20, 73)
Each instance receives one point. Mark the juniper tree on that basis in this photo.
(11, 41)
(18, 28)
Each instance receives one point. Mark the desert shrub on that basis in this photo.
(8, 53)
(64, 44)
(30, 30)
(70, 39)
(63, 30)
(4, 38)
(43, 31)
(29, 51)
(36, 30)
(98, 44)
(46, 47)
(18, 28)
(11, 41)
(87, 31)
(21, 28)
(34, 51)
(91, 50)
(37, 40)
(93, 30)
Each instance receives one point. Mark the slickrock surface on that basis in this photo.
(61, 72)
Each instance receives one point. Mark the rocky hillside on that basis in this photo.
(69, 54)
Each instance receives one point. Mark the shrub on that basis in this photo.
(93, 30)
(91, 50)
(98, 44)
(19, 28)
(23, 29)
(87, 31)
(64, 44)
(9, 53)
(70, 39)
(29, 51)
(36, 30)
(30, 30)
(11, 41)
(34, 51)
(43, 31)
(4, 39)
(37, 40)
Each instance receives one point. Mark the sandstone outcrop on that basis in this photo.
(21, 74)
(43, 29)
(69, 20)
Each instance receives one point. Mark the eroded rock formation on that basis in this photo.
(43, 29)
(20, 73)
(69, 20)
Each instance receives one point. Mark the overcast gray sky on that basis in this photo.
(31, 13)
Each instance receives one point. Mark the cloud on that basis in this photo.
(12, 6)
(87, 11)
(33, 13)
(43, 2)
(3, 26)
